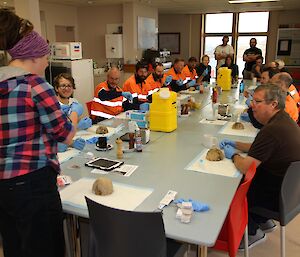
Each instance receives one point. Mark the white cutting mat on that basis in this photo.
(124, 196)
(91, 132)
(224, 167)
(213, 122)
(248, 131)
(67, 155)
(196, 91)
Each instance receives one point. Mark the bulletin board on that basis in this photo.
(288, 46)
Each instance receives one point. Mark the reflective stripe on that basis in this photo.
(150, 92)
(108, 103)
(102, 114)
(134, 95)
(144, 97)
(293, 92)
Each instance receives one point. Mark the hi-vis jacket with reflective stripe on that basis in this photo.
(137, 90)
(106, 108)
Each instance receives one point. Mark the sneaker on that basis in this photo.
(268, 226)
(253, 240)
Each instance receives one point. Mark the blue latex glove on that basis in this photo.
(65, 108)
(84, 123)
(229, 151)
(248, 101)
(191, 83)
(168, 80)
(77, 107)
(79, 143)
(225, 142)
(92, 140)
(62, 147)
(127, 95)
(144, 107)
(245, 117)
(179, 82)
(205, 72)
(197, 206)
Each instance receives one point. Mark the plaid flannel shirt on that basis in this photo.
(31, 123)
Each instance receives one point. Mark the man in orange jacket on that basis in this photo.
(109, 99)
(157, 79)
(285, 80)
(179, 80)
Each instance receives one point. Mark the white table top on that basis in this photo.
(162, 167)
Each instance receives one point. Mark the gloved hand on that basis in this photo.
(144, 107)
(84, 123)
(79, 143)
(229, 151)
(225, 142)
(179, 82)
(168, 80)
(77, 107)
(245, 117)
(205, 72)
(197, 206)
(191, 83)
(65, 108)
(62, 147)
(127, 95)
(248, 101)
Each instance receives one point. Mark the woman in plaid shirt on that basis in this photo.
(31, 124)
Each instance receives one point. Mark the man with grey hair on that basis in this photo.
(276, 145)
(284, 80)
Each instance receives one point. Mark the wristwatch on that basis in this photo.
(232, 157)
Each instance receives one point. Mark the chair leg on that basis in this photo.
(246, 252)
(201, 251)
(282, 241)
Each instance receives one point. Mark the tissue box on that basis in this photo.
(141, 119)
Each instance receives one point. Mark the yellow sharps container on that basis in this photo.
(163, 111)
(224, 78)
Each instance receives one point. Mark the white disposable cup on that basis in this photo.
(254, 81)
(209, 141)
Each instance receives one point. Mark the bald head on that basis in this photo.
(282, 79)
(113, 77)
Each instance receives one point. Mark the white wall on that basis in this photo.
(55, 14)
(92, 23)
(131, 11)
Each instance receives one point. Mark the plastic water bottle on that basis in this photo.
(242, 87)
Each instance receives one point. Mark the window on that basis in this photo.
(247, 25)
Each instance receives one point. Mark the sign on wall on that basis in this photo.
(147, 36)
(288, 46)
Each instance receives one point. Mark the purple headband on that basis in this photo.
(30, 46)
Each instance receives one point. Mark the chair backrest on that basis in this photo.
(237, 218)
(289, 200)
(123, 233)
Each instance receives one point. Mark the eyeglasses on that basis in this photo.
(257, 101)
(63, 86)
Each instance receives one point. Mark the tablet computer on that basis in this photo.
(104, 164)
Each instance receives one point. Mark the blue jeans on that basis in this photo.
(31, 218)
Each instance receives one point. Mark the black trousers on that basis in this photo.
(31, 218)
(264, 192)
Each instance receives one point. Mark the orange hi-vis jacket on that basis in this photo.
(189, 74)
(291, 108)
(295, 95)
(109, 108)
(155, 85)
(175, 75)
(137, 90)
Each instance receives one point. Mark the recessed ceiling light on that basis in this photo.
(250, 1)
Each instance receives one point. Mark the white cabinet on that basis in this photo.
(114, 46)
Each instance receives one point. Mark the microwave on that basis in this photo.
(66, 50)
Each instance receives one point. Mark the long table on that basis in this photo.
(162, 167)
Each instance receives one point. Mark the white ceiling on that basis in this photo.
(184, 6)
